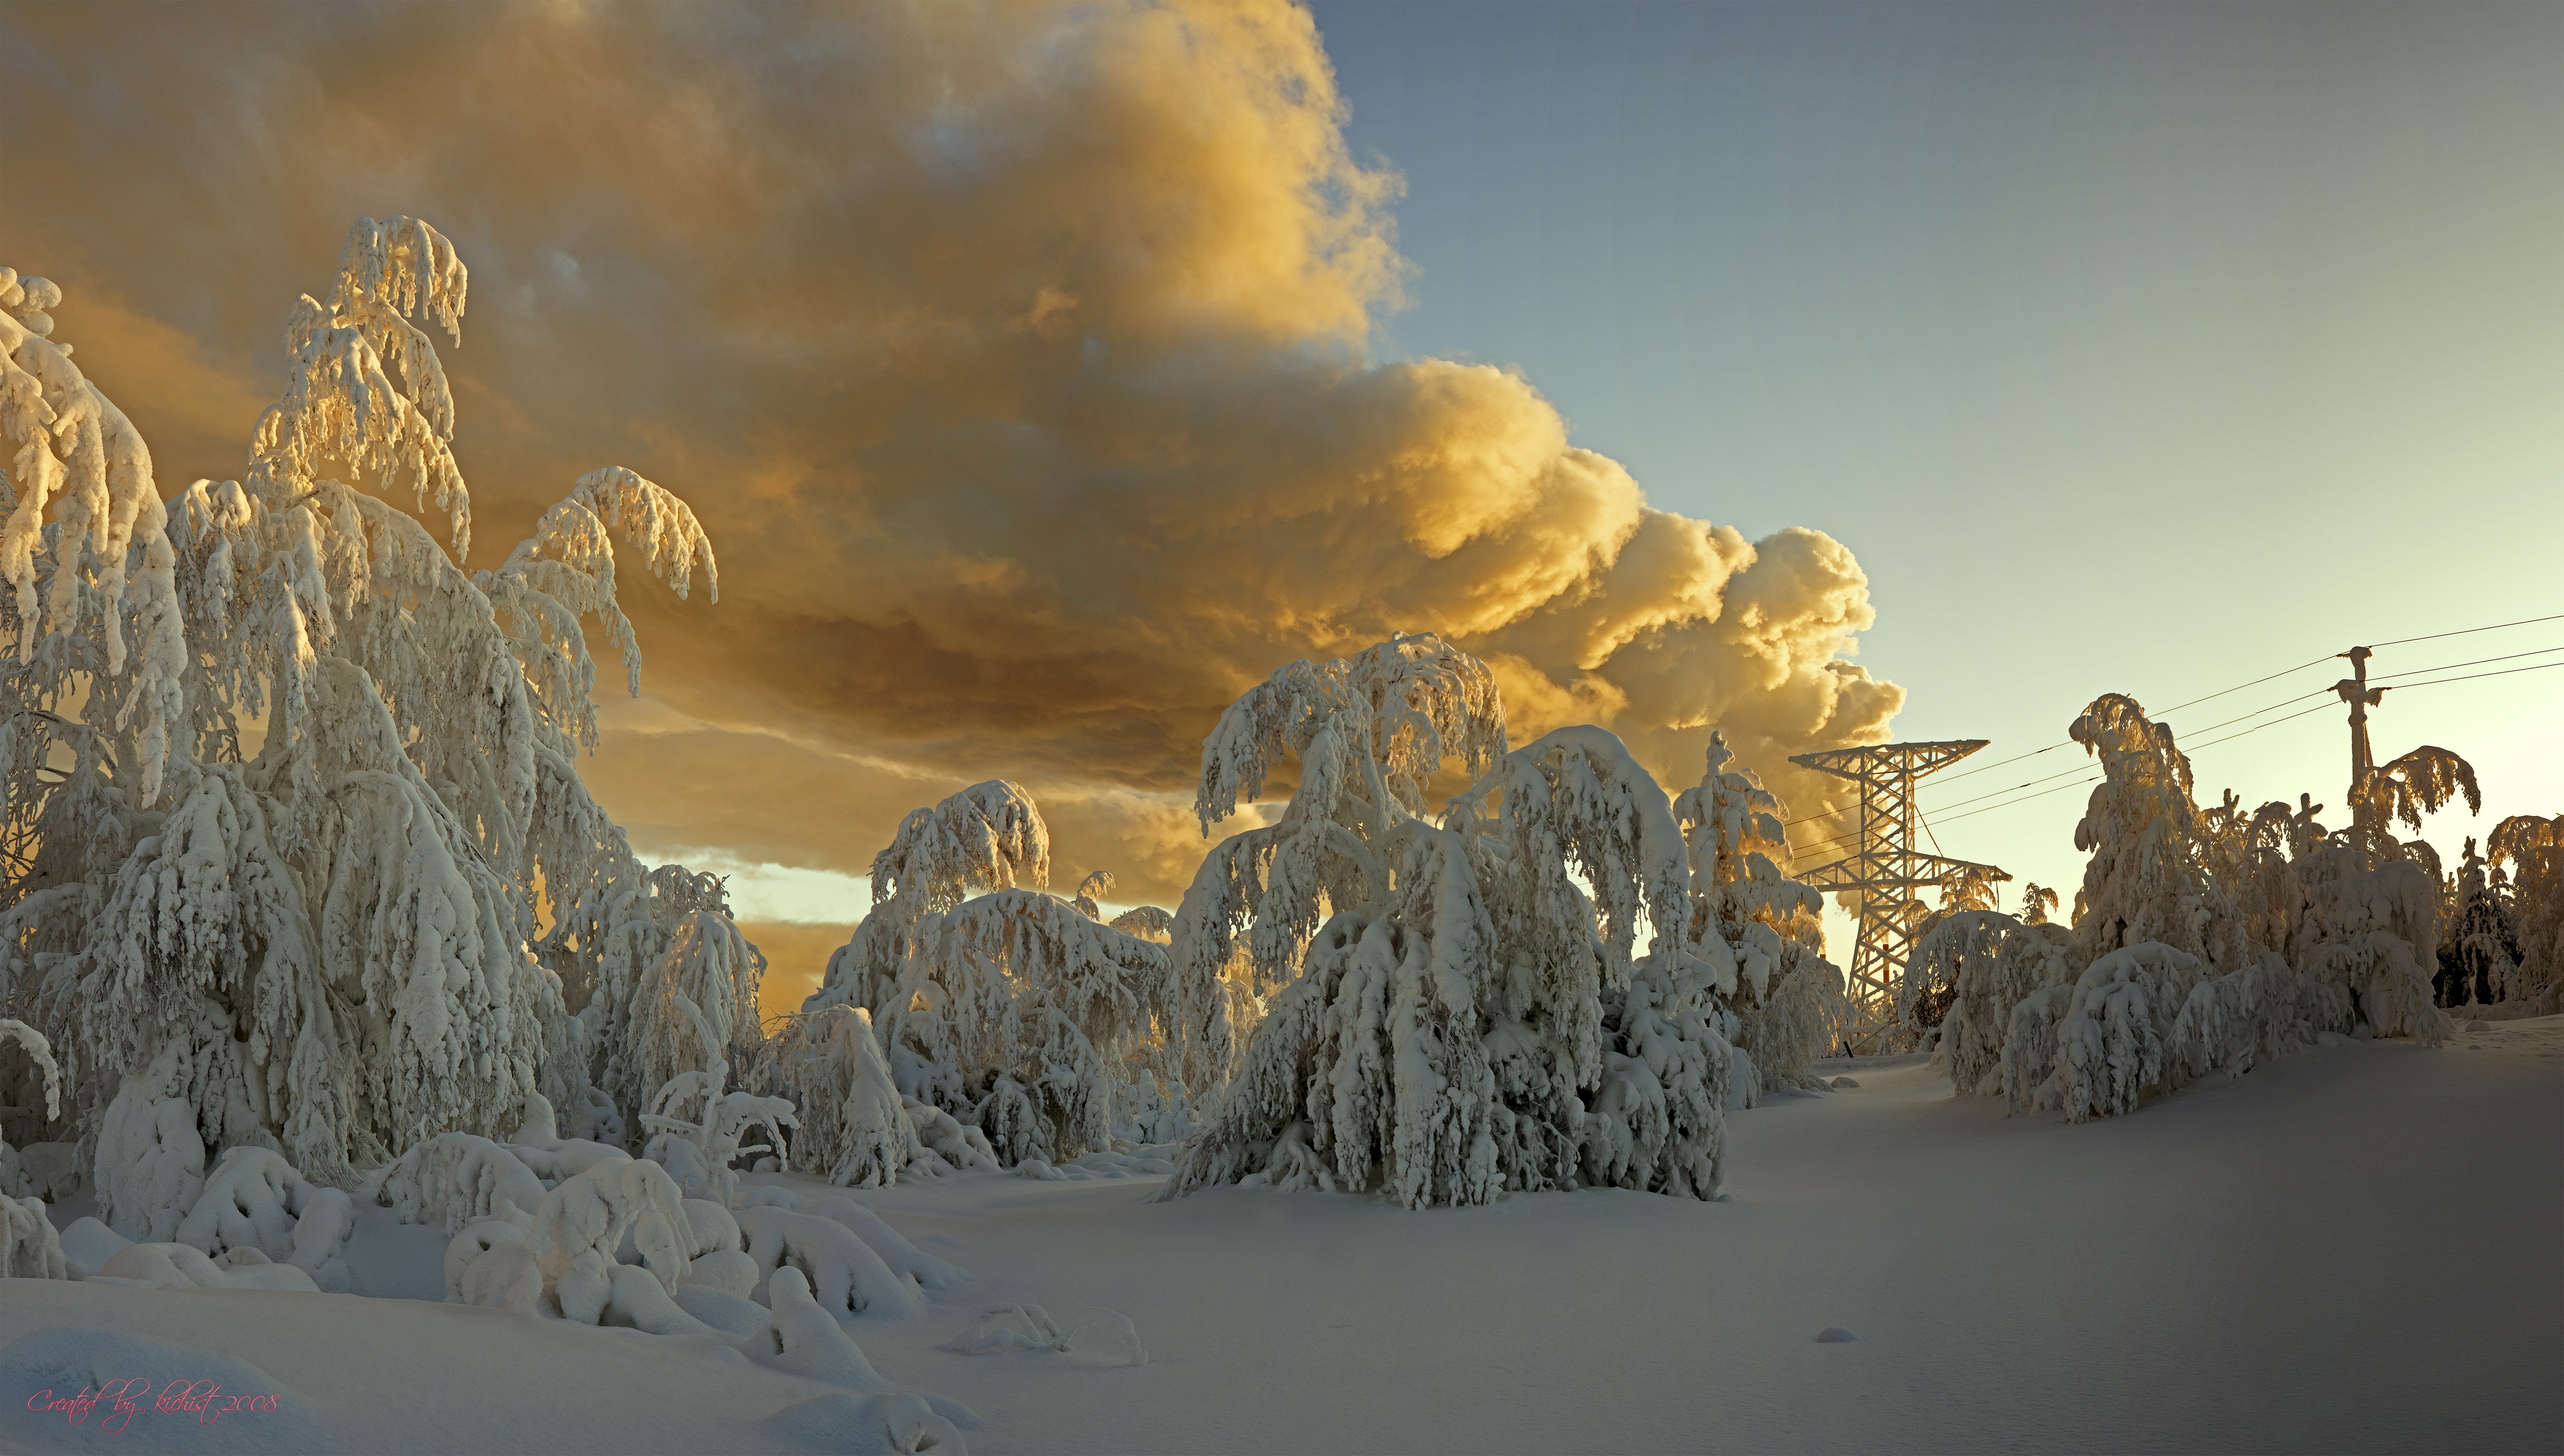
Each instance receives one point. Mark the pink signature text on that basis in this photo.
(118, 1402)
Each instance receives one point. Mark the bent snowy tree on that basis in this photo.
(288, 789)
(1461, 1009)
(1009, 1013)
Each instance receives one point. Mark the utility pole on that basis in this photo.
(2354, 690)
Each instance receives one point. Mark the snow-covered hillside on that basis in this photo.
(2351, 1249)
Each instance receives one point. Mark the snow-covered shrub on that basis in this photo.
(2149, 878)
(475, 1240)
(1011, 1012)
(844, 1274)
(696, 1006)
(185, 1266)
(1097, 1331)
(698, 1150)
(985, 837)
(580, 1226)
(18, 1179)
(2373, 933)
(456, 1178)
(951, 1143)
(254, 1200)
(87, 1244)
(2114, 1041)
(2206, 940)
(903, 1258)
(150, 1163)
(28, 1246)
(325, 948)
(1988, 961)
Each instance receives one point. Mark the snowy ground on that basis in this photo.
(2357, 1248)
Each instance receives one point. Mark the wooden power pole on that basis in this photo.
(2354, 690)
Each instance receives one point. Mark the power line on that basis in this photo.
(2257, 712)
(2240, 687)
(2444, 667)
(2257, 727)
(2026, 798)
(2463, 631)
(2504, 673)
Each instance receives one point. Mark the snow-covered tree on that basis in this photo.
(1460, 1009)
(1009, 1013)
(287, 789)
(985, 837)
(2148, 878)
(1788, 997)
(2205, 939)
(2532, 849)
(2479, 946)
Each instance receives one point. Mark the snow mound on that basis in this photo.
(894, 1422)
(1096, 1165)
(185, 1266)
(1101, 1335)
(1836, 1335)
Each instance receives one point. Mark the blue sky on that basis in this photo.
(2142, 349)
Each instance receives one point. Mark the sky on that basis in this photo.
(1047, 374)
(2131, 349)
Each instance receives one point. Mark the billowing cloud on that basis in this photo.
(1014, 356)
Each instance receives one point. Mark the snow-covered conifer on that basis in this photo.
(1787, 996)
(854, 1130)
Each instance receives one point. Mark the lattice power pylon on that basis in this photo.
(1884, 873)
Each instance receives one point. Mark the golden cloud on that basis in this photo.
(1014, 353)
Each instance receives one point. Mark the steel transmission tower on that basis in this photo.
(1884, 873)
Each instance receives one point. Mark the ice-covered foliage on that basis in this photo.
(287, 788)
(1469, 1017)
(1787, 996)
(2417, 783)
(696, 1006)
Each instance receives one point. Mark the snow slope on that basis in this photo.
(2357, 1248)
